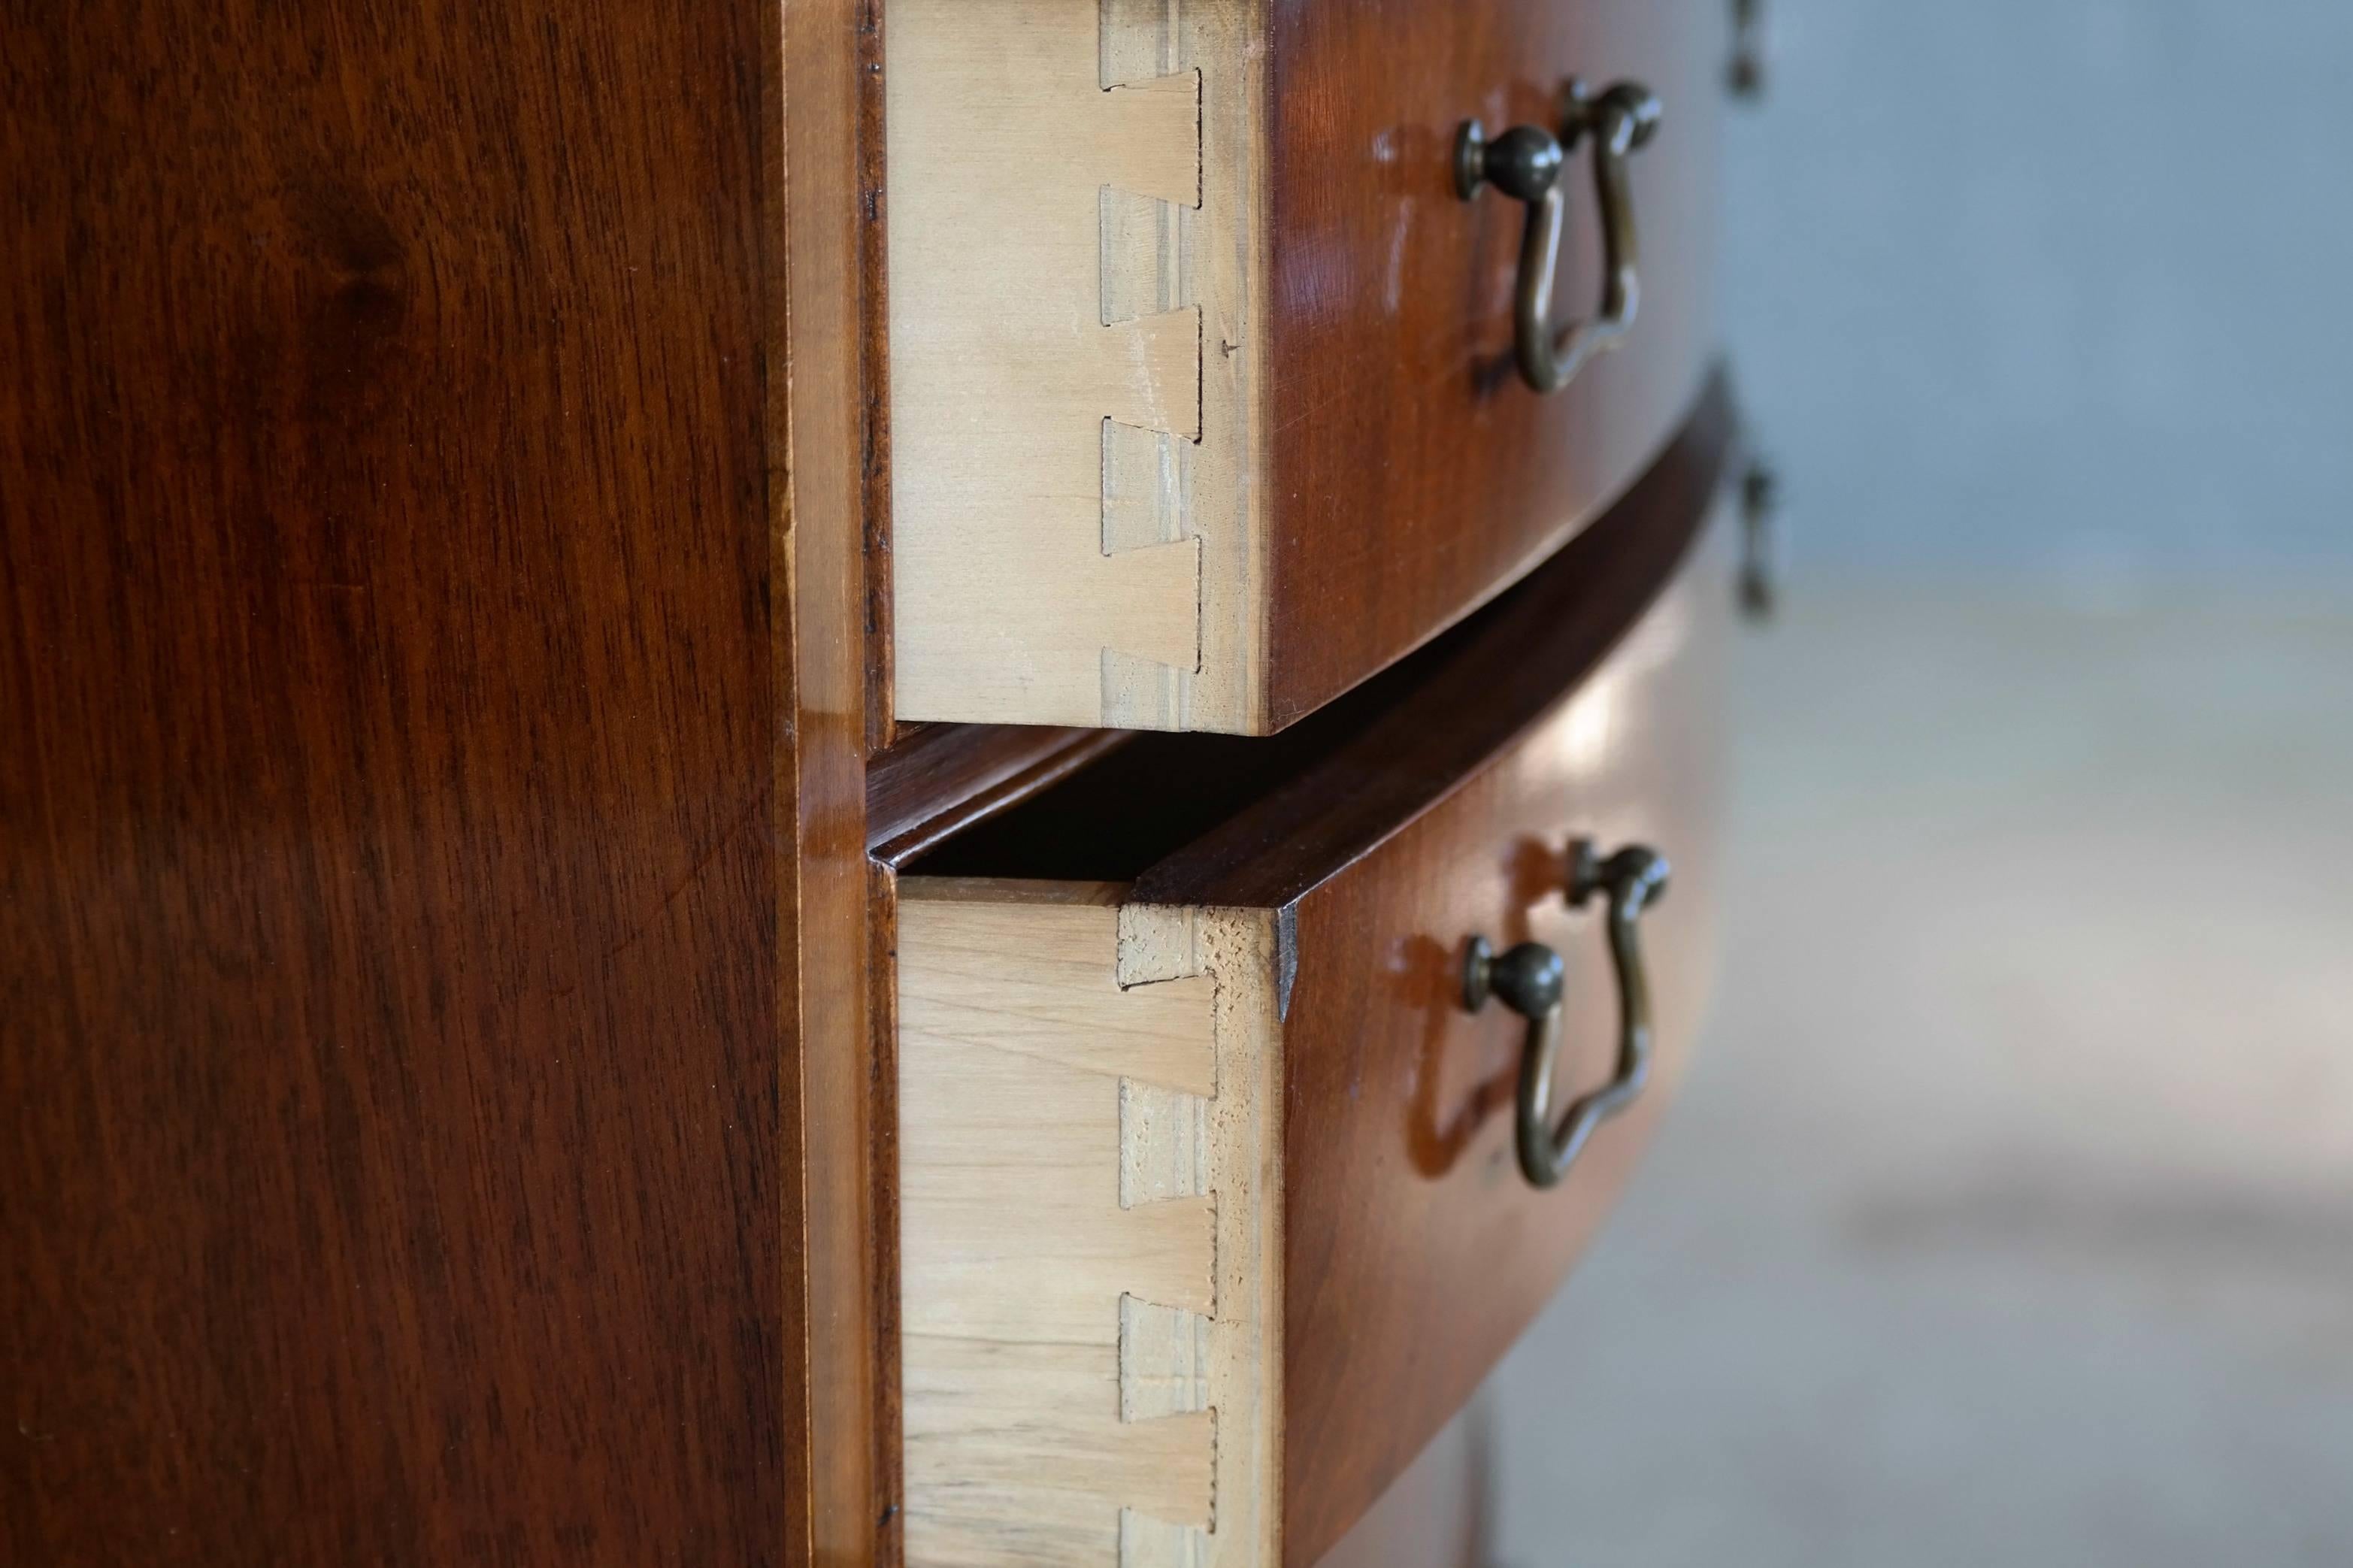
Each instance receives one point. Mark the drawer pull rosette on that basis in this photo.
(1524, 163)
(1528, 979)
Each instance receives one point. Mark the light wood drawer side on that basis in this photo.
(1070, 370)
(1090, 1204)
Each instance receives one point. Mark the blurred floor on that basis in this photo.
(2008, 1214)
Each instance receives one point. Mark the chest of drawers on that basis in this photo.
(858, 782)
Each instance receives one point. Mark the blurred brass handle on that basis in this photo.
(1760, 504)
(1524, 163)
(1528, 979)
(1748, 73)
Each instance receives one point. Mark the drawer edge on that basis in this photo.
(1074, 362)
(1089, 1228)
(1474, 696)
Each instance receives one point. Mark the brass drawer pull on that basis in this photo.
(1529, 978)
(1524, 163)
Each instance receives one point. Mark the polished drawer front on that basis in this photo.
(1214, 1204)
(1418, 1247)
(1208, 399)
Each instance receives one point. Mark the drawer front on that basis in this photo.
(1202, 386)
(1415, 1251)
(1439, 1513)
(1415, 473)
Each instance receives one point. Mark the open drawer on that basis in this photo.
(1213, 1206)
(1205, 361)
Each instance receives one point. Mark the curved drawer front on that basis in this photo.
(1210, 1211)
(1415, 1251)
(1204, 405)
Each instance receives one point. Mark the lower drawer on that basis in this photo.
(1214, 1205)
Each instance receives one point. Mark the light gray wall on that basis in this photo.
(2052, 288)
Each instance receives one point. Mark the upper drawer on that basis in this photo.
(1203, 385)
(1212, 1204)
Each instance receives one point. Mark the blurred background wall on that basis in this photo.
(2007, 1216)
(2053, 290)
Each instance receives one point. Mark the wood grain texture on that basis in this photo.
(1417, 475)
(939, 780)
(1586, 702)
(835, 929)
(1255, 822)
(1440, 1513)
(390, 976)
(1089, 1191)
(1413, 738)
(1368, 467)
(866, 1510)
(1063, 200)
(1416, 1253)
(852, 34)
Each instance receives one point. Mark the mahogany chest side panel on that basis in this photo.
(390, 1081)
